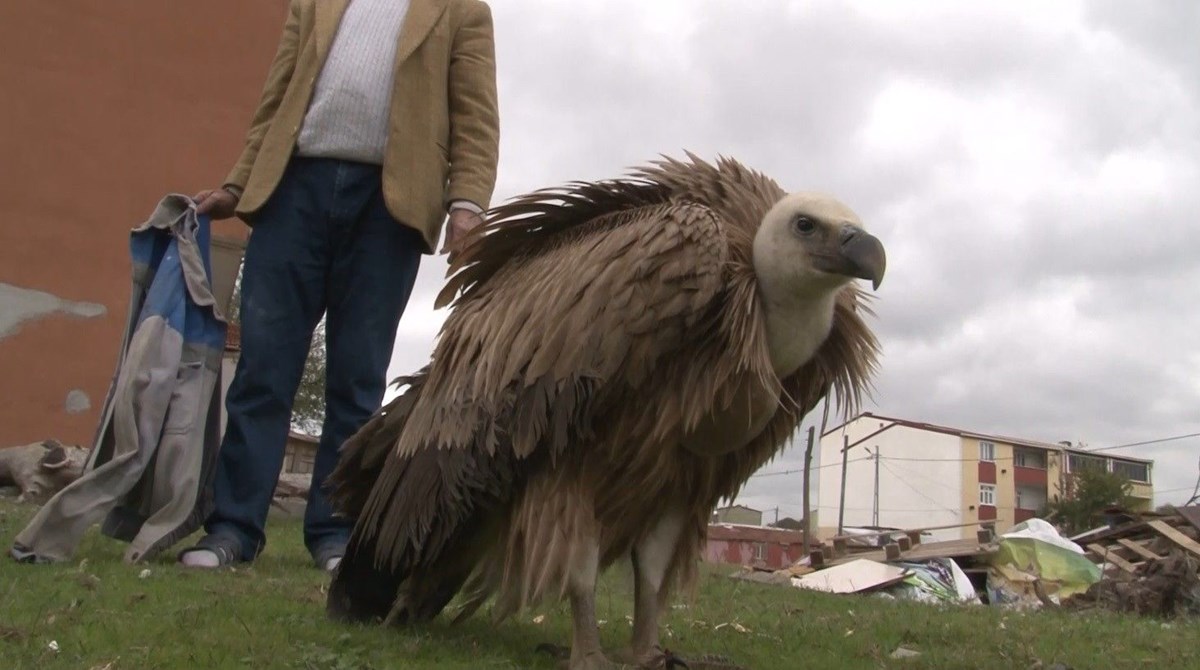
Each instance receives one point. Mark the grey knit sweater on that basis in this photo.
(348, 115)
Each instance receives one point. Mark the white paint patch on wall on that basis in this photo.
(20, 305)
(78, 401)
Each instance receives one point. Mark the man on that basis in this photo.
(378, 119)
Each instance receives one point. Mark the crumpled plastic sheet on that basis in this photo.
(937, 580)
(1035, 564)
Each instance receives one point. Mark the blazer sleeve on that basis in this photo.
(278, 77)
(474, 115)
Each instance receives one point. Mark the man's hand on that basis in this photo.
(461, 222)
(217, 203)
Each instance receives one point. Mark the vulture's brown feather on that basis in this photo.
(592, 328)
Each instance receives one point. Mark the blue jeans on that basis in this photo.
(324, 243)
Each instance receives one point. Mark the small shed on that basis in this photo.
(300, 454)
(758, 546)
(739, 514)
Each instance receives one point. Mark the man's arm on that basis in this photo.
(474, 116)
(278, 77)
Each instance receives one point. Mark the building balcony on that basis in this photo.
(987, 472)
(1029, 476)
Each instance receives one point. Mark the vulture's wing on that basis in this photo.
(553, 312)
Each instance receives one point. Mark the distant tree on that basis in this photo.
(308, 409)
(1087, 493)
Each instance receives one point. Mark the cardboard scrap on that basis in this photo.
(853, 577)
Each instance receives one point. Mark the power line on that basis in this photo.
(1175, 490)
(915, 490)
(1139, 444)
(792, 472)
(922, 475)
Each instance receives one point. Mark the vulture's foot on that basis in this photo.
(555, 650)
(658, 658)
(710, 662)
(654, 658)
(596, 661)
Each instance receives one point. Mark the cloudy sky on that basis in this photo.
(1033, 168)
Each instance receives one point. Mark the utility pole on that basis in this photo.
(776, 511)
(846, 448)
(842, 502)
(807, 480)
(875, 505)
(1195, 493)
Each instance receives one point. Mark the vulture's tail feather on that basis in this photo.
(422, 521)
(362, 591)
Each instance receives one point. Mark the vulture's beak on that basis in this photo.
(863, 254)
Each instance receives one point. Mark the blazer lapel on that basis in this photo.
(422, 14)
(328, 15)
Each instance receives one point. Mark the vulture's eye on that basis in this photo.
(804, 225)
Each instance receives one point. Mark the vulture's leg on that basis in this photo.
(651, 559)
(586, 653)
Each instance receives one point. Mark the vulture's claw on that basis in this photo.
(555, 650)
(671, 661)
(713, 662)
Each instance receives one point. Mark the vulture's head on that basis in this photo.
(810, 242)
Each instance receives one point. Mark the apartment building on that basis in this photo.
(908, 474)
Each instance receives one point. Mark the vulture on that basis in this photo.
(620, 356)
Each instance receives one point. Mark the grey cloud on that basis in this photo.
(1165, 30)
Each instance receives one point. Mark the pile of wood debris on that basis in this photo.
(1151, 565)
(905, 545)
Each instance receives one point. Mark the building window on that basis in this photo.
(1079, 462)
(1135, 472)
(987, 451)
(987, 494)
(1029, 459)
(760, 551)
(1030, 498)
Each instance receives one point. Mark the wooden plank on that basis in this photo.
(1176, 537)
(949, 549)
(1111, 556)
(1191, 514)
(1130, 529)
(892, 551)
(1138, 549)
(905, 543)
(910, 531)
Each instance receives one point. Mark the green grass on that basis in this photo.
(102, 614)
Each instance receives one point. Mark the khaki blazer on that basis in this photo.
(443, 140)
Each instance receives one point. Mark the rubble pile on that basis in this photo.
(1151, 566)
(1137, 563)
(1169, 587)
